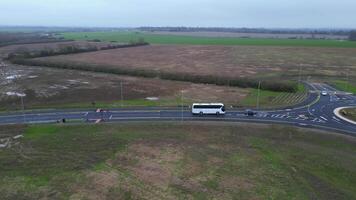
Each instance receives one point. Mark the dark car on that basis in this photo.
(250, 112)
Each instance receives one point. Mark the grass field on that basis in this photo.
(270, 99)
(124, 37)
(176, 161)
(345, 86)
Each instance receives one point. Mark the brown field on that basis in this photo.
(47, 87)
(227, 61)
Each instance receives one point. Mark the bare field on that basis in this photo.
(48, 87)
(226, 61)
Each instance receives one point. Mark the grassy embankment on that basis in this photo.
(176, 161)
(124, 37)
(345, 86)
(271, 99)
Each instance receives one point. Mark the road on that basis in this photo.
(316, 111)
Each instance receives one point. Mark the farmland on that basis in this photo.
(125, 37)
(258, 63)
(76, 89)
(79, 89)
(176, 161)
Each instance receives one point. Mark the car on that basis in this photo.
(324, 93)
(250, 112)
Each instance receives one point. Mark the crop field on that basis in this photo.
(175, 161)
(263, 63)
(124, 37)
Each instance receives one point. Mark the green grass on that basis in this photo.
(124, 37)
(344, 86)
(271, 99)
(204, 161)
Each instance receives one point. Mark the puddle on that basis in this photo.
(12, 77)
(15, 94)
(152, 98)
(58, 87)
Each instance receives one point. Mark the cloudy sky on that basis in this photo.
(203, 13)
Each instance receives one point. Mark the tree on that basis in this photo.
(352, 36)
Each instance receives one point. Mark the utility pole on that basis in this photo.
(347, 80)
(23, 108)
(300, 74)
(258, 95)
(182, 105)
(121, 95)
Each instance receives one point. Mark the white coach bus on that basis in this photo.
(208, 108)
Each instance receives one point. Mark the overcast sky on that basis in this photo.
(203, 13)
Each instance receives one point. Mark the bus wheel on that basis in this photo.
(217, 113)
(201, 113)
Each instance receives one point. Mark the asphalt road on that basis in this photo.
(316, 111)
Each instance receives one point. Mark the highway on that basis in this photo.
(317, 111)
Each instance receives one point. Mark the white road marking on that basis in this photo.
(323, 118)
(336, 118)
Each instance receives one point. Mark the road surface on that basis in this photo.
(316, 111)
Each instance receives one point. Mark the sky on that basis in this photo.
(193, 13)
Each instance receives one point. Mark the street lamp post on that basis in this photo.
(300, 75)
(347, 80)
(23, 109)
(182, 105)
(121, 95)
(258, 95)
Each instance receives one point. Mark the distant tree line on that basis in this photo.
(26, 38)
(69, 49)
(352, 36)
(344, 32)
